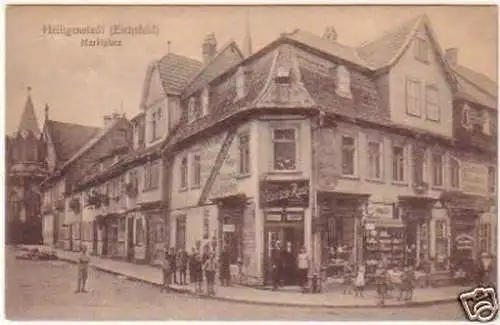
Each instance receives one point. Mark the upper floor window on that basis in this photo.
(348, 152)
(244, 147)
(454, 173)
(413, 106)
(284, 149)
(398, 167)
(184, 172)
(139, 128)
(485, 237)
(151, 176)
(465, 118)
(343, 82)
(283, 75)
(419, 157)
(422, 49)
(205, 100)
(437, 169)
(156, 117)
(196, 170)
(432, 103)
(374, 159)
(191, 109)
(486, 122)
(243, 76)
(133, 178)
(492, 179)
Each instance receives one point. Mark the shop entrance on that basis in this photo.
(291, 239)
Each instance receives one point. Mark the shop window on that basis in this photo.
(492, 179)
(454, 173)
(422, 49)
(196, 170)
(413, 106)
(349, 156)
(244, 147)
(180, 232)
(485, 237)
(398, 169)
(285, 155)
(184, 172)
(374, 159)
(432, 103)
(441, 244)
(437, 169)
(139, 232)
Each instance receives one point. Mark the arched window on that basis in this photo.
(343, 82)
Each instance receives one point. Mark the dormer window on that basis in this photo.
(240, 83)
(283, 75)
(204, 101)
(191, 109)
(486, 123)
(343, 82)
(422, 49)
(466, 123)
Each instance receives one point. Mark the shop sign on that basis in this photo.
(294, 216)
(228, 228)
(464, 242)
(474, 178)
(381, 211)
(273, 217)
(284, 193)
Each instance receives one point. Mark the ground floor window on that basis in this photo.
(180, 232)
(139, 232)
(441, 236)
(485, 237)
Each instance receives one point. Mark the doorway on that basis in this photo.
(291, 238)
(130, 239)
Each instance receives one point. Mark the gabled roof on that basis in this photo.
(476, 87)
(385, 50)
(215, 67)
(480, 80)
(176, 70)
(94, 140)
(327, 46)
(28, 119)
(68, 138)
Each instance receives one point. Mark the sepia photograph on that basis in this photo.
(251, 163)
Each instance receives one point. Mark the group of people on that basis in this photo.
(285, 266)
(355, 281)
(199, 265)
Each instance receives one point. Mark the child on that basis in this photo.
(359, 282)
(166, 269)
(210, 267)
(407, 284)
(83, 269)
(347, 279)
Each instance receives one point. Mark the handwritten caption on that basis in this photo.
(100, 35)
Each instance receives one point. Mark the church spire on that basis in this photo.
(247, 42)
(28, 119)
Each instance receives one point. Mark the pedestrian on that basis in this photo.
(166, 270)
(225, 264)
(173, 265)
(191, 265)
(347, 279)
(83, 269)
(407, 284)
(210, 267)
(181, 265)
(484, 270)
(276, 264)
(359, 281)
(303, 265)
(381, 282)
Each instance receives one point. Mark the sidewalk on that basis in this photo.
(152, 275)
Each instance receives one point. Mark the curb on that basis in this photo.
(414, 304)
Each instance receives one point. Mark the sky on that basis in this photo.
(80, 85)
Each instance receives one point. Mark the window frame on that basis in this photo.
(195, 170)
(419, 49)
(184, 172)
(487, 124)
(485, 236)
(454, 161)
(191, 109)
(343, 82)
(275, 141)
(380, 160)
(415, 98)
(204, 101)
(435, 154)
(465, 119)
(355, 167)
(435, 89)
(244, 166)
(402, 178)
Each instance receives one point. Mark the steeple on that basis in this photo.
(247, 42)
(28, 119)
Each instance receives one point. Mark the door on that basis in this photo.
(411, 243)
(94, 238)
(130, 239)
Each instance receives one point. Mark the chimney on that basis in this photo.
(330, 34)
(107, 120)
(451, 55)
(209, 48)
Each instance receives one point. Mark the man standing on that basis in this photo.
(303, 265)
(83, 269)
(276, 265)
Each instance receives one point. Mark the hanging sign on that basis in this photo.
(464, 242)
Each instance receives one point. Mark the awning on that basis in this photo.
(386, 223)
(455, 200)
(235, 199)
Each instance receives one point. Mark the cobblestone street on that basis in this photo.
(45, 291)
